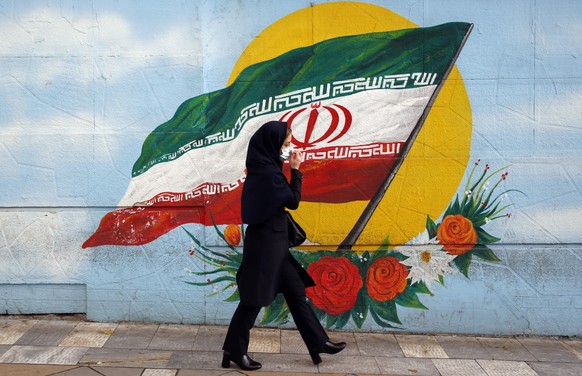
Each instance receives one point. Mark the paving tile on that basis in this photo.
(460, 347)
(174, 337)
(378, 344)
(4, 348)
(292, 373)
(210, 338)
(348, 364)
(46, 333)
(420, 346)
(159, 372)
(265, 340)
(132, 336)
(114, 371)
(292, 343)
(552, 369)
(89, 334)
(506, 368)
(349, 339)
(28, 369)
(126, 358)
(196, 360)
(12, 330)
(43, 355)
(407, 366)
(80, 371)
(458, 367)
(549, 350)
(285, 363)
(208, 372)
(506, 349)
(574, 346)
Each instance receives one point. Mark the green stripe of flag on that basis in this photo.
(370, 55)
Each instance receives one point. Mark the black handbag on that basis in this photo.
(296, 234)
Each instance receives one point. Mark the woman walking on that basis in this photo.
(268, 267)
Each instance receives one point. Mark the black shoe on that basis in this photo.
(244, 362)
(326, 348)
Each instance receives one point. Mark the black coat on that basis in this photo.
(265, 251)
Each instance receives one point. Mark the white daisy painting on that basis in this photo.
(426, 259)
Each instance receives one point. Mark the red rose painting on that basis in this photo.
(338, 282)
(386, 278)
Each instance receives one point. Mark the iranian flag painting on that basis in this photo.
(355, 104)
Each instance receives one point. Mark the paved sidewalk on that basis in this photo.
(70, 346)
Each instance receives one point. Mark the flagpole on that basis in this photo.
(364, 218)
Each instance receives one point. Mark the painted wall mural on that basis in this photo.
(442, 192)
(356, 104)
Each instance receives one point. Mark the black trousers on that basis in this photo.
(293, 289)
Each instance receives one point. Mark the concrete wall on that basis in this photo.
(82, 84)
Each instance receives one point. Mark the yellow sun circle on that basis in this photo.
(435, 165)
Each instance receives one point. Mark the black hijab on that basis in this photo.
(266, 189)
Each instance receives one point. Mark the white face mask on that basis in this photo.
(286, 153)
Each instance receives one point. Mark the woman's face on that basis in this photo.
(286, 143)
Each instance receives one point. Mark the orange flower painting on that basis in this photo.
(232, 235)
(457, 234)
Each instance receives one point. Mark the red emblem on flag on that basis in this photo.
(331, 127)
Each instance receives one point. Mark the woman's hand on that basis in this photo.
(296, 159)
